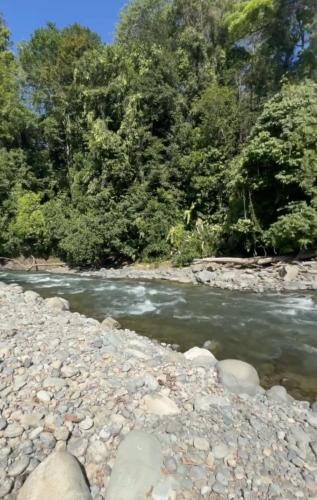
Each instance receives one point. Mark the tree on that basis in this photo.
(279, 165)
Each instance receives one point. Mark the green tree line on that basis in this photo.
(194, 133)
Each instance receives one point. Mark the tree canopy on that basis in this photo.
(192, 134)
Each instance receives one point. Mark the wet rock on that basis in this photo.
(137, 469)
(58, 477)
(238, 377)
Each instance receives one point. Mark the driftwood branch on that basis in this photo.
(34, 264)
(254, 261)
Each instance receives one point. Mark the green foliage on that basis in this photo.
(296, 230)
(193, 134)
(27, 232)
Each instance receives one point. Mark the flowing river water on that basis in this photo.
(276, 333)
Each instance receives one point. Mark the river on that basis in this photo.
(277, 333)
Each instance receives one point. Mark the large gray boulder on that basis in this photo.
(137, 468)
(238, 377)
(58, 477)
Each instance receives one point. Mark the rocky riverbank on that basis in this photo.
(279, 277)
(143, 420)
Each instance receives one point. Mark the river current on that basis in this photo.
(277, 333)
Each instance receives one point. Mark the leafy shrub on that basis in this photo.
(294, 231)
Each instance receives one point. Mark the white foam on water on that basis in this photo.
(141, 308)
(284, 312)
(309, 349)
(303, 303)
(184, 317)
(136, 290)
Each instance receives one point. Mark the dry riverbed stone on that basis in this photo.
(238, 377)
(58, 477)
(137, 469)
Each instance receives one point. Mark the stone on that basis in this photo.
(289, 273)
(48, 440)
(314, 407)
(3, 423)
(163, 491)
(54, 382)
(170, 464)
(5, 486)
(44, 396)
(201, 444)
(205, 276)
(57, 303)
(197, 352)
(137, 468)
(110, 324)
(19, 382)
(77, 446)
(68, 371)
(86, 424)
(205, 403)
(13, 431)
(238, 377)
(61, 433)
(220, 451)
(58, 477)
(31, 420)
(278, 394)
(18, 466)
(32, 297)
(97, 452)
(312, 419)
(210, 461)
(159, 404)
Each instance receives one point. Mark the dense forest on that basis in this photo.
(194, 133)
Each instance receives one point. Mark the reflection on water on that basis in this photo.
(275, 332)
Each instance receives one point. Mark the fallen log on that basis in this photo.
(255, 261)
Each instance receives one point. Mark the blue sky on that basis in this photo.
(23, 16)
